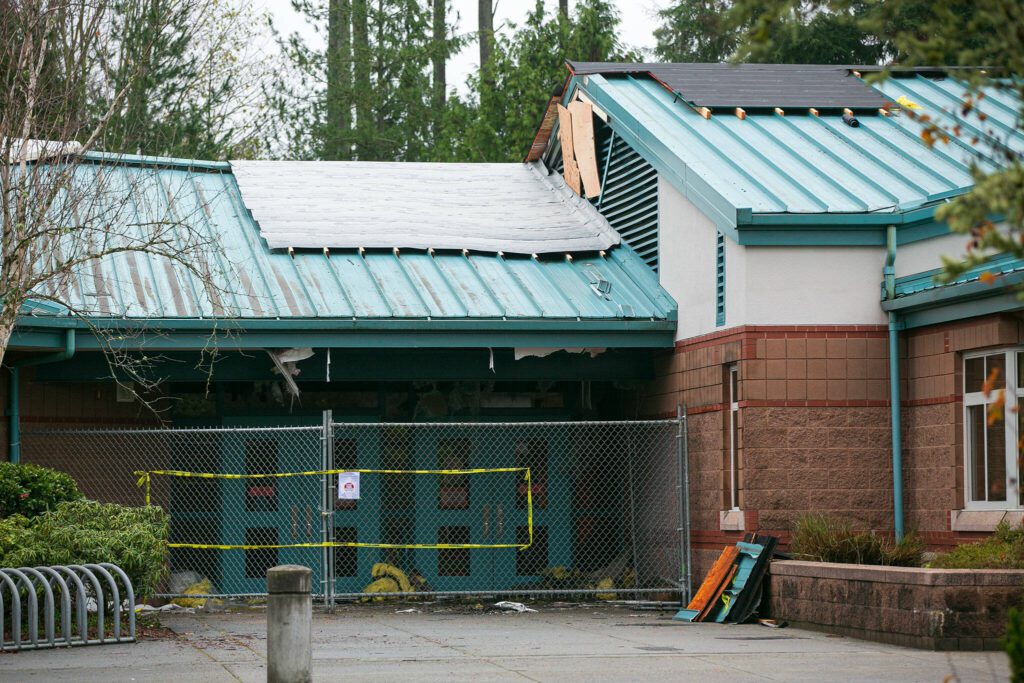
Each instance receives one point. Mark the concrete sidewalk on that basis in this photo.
(375, 643)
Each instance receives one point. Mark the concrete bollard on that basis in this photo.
(289, 624)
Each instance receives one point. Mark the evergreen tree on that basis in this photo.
(498, 120)
(711, 31)
(190, 92)
(375, 92)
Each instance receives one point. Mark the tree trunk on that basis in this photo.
(563, 8)
(485, 31)
(339, 81)
(440, 52)
(361, 63)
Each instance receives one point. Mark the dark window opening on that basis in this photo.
(346, 457)
(453, 489)
(534, 560)
(346, 557)
(453, 561)
(258, 561)
(261, 458)
(533, 453)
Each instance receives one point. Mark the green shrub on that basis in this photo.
(822, 538)
(31, 490)
(79, 532)
(1004, 549)
(1013, 643)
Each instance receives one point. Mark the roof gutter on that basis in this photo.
(13, 391)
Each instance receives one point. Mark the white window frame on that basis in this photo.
(733, 374)
(1010, 424)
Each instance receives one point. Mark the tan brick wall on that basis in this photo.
(814, 423)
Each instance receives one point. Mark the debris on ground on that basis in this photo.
(772, 623)
(169, 607)
(411, 610)
(731, 592)
(513, 606)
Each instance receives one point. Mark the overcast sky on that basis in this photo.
(638, 23)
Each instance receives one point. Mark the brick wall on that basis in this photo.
(936, 609)
(814, 430)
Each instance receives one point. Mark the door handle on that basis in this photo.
(309, 523)
(295, 522)
(499, 514)
(487, 520)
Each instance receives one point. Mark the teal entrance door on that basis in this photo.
(451, 509)
(356, 521)
(271, 511)
(543, 451)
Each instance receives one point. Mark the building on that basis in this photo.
(756, 244)
(790, 211)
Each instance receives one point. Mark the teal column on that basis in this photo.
(14, 417)
(889, 277)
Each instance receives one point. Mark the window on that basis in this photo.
(732, 413)
(991, 450)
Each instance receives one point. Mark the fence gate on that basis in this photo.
(526, 508)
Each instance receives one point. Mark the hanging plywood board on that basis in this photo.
(570, 170)
(582, 115)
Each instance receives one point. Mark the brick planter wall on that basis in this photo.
(935, 609)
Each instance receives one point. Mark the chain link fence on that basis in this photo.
(523, 508)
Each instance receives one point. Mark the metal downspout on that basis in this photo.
(889, 275)
(13, 391)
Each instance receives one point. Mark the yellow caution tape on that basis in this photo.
(145, 480)
(330, 544)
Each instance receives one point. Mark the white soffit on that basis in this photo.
(514, 207)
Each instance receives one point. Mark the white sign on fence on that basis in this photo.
(348, 486)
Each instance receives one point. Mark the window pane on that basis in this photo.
(1017, 450)
(975, 429)
(997, 363)
(974, 374)
(996, 461)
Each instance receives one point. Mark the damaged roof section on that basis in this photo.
(801, 166)
(421, 288)
(512, 208)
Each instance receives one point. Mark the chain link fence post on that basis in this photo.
(685, 554)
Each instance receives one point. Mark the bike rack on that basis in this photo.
(80, 590)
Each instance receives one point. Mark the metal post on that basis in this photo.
(632, 503)
(327, 509)
(686, 572)
(289, 624)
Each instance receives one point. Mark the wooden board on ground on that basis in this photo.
(713, 582)
(582, 115)
(713, 602)
(571, 171)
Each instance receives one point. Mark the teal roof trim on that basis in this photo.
(921, 300)
(468, 296)
(802, 179)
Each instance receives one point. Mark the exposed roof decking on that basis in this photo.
(415, 287)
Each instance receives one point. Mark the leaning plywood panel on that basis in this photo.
(570, 170)
(582, 115)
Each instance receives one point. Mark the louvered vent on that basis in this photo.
(629, 200)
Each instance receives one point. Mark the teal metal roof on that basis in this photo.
(797, 168)
(998, 267)
(344, 289)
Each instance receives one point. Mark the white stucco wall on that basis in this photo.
(918, 257)
(813, 286)
(777, 285)
(686, 242)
